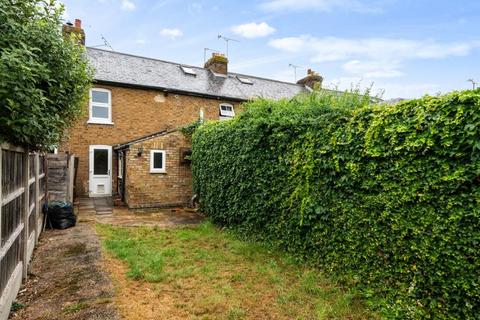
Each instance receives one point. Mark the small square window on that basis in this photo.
(157, 161)
(226, 111)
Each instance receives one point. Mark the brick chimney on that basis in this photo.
(218, 63)
(69, 29)
(313, 80)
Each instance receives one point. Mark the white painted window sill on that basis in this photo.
(158, 171)
(100, 122)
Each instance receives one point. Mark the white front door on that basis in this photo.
(100, 171)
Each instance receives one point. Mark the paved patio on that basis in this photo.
(101, 210)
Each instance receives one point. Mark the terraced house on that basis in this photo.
(128, 142)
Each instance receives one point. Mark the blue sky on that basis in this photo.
(405, 47)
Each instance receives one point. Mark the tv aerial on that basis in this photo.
(105, 44)
(227, 40)
(295, 67)
(474, 84)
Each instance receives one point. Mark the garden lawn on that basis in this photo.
(204, 273)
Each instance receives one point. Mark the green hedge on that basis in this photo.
(44, 79)
(385, 197)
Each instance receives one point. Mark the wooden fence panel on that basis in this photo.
(22, 194)
(60, 176)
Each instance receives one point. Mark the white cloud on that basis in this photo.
(387, 90)
(371, 57)
(253, 30)
(171, 33)
(289, 44)
(195, 8)
(409, 91)
(128, 5)
(320, 5)
(250, 65)
(334, 49)
(373, 69)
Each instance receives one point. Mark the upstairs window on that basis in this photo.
(226, 111)
(157, 161)
(100, 106)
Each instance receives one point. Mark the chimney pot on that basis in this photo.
(69, 28)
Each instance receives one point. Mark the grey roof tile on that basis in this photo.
(128, 69)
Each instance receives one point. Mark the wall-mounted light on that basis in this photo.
(140, 151)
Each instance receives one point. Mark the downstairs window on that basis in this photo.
(158, 161)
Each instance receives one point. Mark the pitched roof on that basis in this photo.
(126, 69)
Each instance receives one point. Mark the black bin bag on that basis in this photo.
(60, 215)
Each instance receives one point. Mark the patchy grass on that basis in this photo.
(76, 249)
(16, 306)
(202, 272)
(74, 308)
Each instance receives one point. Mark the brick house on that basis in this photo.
(128, 143)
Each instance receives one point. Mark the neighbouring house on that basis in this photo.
(128, 142)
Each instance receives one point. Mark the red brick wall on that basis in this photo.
(135, 113)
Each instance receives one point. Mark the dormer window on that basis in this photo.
(188, 70)
(100, 106)
(226, 111)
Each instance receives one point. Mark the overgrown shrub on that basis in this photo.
(385, 197)
(44, 79)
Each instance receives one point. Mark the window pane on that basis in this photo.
(100, 96)
(226, 108)
(100, 161)
(99, 112)
(158, 160)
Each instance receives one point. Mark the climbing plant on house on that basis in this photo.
(385, 197)
(44, 77)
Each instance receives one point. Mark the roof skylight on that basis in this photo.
(188, 70)
(244, 80)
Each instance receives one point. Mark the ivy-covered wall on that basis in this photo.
(386, 198)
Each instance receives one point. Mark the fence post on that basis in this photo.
(37, 195)
(1, 188)
(26, 210)
(71, 174)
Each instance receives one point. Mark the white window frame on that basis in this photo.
(226, 114)
(100, 104)
(164, 158)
